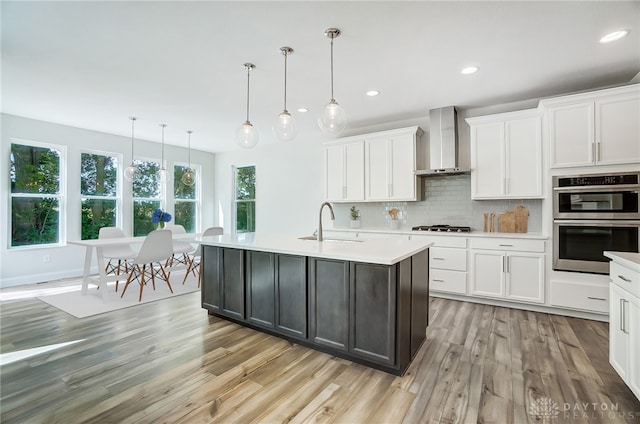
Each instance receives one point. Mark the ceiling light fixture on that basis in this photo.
(285, 128)
(470, 70)
(189, 177)
(247, 135)
(303, 110)
(333, 119)
(372, 93)
(162, 175)
(613, 36)
(131, 171)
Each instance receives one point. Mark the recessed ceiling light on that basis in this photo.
(613, 36)
(470, 70)
(372, 93)
(303, 109)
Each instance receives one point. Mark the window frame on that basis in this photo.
(235, 201)
(61, 196)
(162, 192)
(197, 169)
(119, 181)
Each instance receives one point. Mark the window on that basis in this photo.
(99, 193)
(146, 196)
(36, 194)
(187, 200)
(245, 201)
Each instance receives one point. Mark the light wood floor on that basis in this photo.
(170, 362)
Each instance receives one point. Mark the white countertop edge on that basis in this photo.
(382, 230)
(630, 260)
(379, 251)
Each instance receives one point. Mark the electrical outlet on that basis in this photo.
(46, 259)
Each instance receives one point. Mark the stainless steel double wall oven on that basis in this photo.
(593, 213)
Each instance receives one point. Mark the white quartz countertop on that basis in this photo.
(409, 231)
(380, 251)
(628, 259)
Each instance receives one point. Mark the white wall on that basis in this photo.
(23, 266)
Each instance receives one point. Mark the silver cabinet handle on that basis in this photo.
(622, 315)
(505, 245)
(599, 152)
(503, 260)
(626, 280)
(593, 152)
(438, 281)
(596, 298)
(439, 259)
(508, 259)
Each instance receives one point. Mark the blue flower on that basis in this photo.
(159, 216)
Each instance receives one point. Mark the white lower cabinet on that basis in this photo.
(448, 270)
(624, 325)
(500, 270)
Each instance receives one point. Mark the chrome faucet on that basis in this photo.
(333, 217)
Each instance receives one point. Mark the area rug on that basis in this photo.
(74, 303)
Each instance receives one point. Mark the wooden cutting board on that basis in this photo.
(507, 222)
(522, 219)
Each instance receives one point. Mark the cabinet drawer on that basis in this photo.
(445, 258)
(442, 241)
(625, 278)
(588, 297)
(508, 244)
(443, 280)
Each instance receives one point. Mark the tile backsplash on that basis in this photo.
(447, 200)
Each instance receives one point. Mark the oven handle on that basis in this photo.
(581, 189)
(594, 222)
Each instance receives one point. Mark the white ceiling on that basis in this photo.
(93, 64)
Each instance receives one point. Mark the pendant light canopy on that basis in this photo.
(285, 128)
(189, 177)
(162, 175)
(247, 135)
(131, 171)
(333, 119)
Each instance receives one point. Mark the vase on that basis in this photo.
(160, 225)
(355, 223)
(394, 224)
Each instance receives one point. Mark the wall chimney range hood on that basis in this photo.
(443, 144)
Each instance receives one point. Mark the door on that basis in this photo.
(210, 277)
(377, 168)
(260, 288)
(523, 158)
(354, 171)
(403, 178)
(618, 337)
(487, 161)
(634, 345)
(617, 122)
(525, 277)
(232, 281)
(373, 312)
(571, 133)
(334, 172)
(487, 273)
(291, 295)
(329, 302)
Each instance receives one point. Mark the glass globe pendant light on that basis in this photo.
(333, 119)
(247, 135)
(163, 175)
(131, 171)
(285, 128)
(189, 177)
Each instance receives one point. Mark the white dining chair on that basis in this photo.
(181, 249)
(194, 266)
(122, 253)
(155, 250)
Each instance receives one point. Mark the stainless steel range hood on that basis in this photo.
(443, 144)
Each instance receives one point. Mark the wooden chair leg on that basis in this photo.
(186, 274)
(133, 269)
(144, 271)
(166, 278)
(118, 273)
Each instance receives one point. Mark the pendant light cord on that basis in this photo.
(332, 99)
(189, 148)
(284, 52)
(133, 121)
(162, 154)
(248, 72)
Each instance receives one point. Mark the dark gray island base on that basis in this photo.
(372, 314)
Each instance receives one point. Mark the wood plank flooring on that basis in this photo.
(169, 362)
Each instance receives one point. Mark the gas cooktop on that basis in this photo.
(442, 228)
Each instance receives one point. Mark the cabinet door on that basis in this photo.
(260, 288)
(525, 277)
(210, 277)
(334, 173)
(487, 273)
(618, 336)
(329, 302)
(618, 129)
(487, 161)
(377, 155)
(403, 178)
(232, 279)
(354, 171)
(523, 158)
(291, 295)
(373, 312)
(571, 134)
(634, 345)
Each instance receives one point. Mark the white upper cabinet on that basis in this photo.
(506, 155)
(596, 128)
(344, 172)
(374, 167)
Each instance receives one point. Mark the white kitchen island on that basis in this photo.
(366, 301)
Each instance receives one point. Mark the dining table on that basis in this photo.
(99, 244)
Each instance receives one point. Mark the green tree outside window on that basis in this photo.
(99, 190)
(245, 200)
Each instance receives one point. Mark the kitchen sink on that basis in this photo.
(314, 238)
